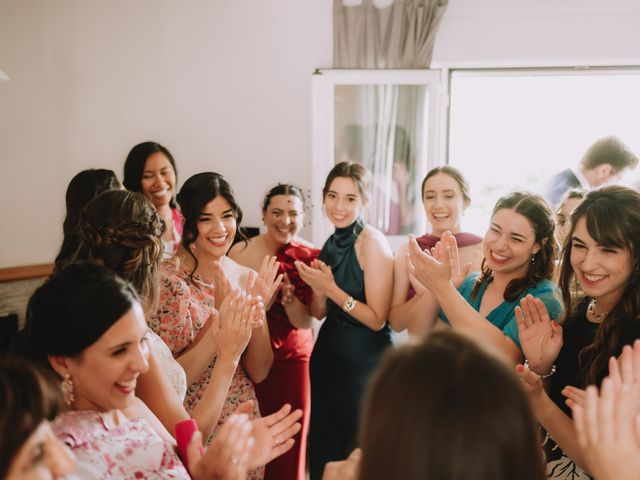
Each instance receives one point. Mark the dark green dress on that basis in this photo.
(344, 355)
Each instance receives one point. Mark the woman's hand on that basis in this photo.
(267, 282)
(288, 291)
(434, 274)
(273, 434)
(236, 320)
(228, 455)
(221, 284)
(540, 337)
(317, 275)
(575, 396)
(448, 243)
(345, 469)
(533, 386)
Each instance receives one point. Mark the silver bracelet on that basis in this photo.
(349, 304)
(553, 370)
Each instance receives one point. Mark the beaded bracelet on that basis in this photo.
(553, 370)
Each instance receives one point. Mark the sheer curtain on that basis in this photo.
(384, 126)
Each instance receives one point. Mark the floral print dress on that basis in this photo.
(185, 306)
(128, 450)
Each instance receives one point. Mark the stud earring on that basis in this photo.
(67, 390)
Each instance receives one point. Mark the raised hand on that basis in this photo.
(575, 396)
(221, 284)
(540, 337)
(288, 290)
(429, 271)
(345, 469)
(236, 320)
(317, 275)
(273, 434)
(458, 272)
(267, 282)
(228, 455)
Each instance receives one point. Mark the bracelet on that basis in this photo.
(349, 304)
(553, 370)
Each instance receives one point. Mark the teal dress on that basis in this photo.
(343, 357)
(503, 316)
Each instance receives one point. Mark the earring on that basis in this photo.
(67, 390)
(533, 261)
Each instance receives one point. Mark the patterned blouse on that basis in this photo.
(129, 450)
(184, 308)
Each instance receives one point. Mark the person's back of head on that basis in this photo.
(446, 410)
(609, 150)
(83, 187)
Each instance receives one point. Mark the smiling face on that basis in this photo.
(509, 243)
(105, 373)
(603, 272)
(342, 202)
(563, 222)
(216, 228)
(158, 180)
(284, 217)
(42, 456)
(443, 203)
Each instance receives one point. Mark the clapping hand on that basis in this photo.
(317, 275)
(540, 337)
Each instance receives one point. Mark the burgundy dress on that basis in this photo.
(429, 241)
(288, 380)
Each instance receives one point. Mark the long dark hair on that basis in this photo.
(82, 188)
(193, 197)
(74, 308)
(418, 423)
(26, 399)
(135, 162)
(612, 216)
(122, 230)
(537, 211)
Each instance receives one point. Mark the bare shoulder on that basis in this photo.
(402, 250)
(241, 249)
(249, 254)
(374, 242)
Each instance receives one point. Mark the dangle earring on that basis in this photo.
(533, 261)
(67, 390)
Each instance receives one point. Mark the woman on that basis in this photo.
(203, 275)
(122, 230)
(151, 170)
(602, 254)
(27, 403)
(289, 318)
(567, 205)
(99, 362)
(519, 251)
(445, 196)
(85, 186)
(352, 282)
(445, 409)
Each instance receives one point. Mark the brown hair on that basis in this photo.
(27, 398)
(453, 173)
(447, 410)
(122, 230)
(612, 215)
(537, 211)
(356, 172)
(609, 150)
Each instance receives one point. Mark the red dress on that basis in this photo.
(288, 380)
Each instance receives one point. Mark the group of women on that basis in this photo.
(161, 311)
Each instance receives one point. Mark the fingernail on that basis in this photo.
(519, 368)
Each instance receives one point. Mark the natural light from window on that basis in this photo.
(512, 130)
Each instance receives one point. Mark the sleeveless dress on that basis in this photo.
(345, 354)
(288, 380)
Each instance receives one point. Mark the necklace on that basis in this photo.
(592, 310)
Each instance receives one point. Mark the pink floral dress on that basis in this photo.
(130, 450)
(184, 308)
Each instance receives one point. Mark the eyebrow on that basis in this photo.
(513, 234)
(449, 190)
(125, 344)
(228, 210)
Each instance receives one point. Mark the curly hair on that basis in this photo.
(537, 211)
(122, 230)
(612, 217)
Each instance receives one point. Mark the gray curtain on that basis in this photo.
(400, 35)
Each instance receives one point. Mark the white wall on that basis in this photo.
(224, 84)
